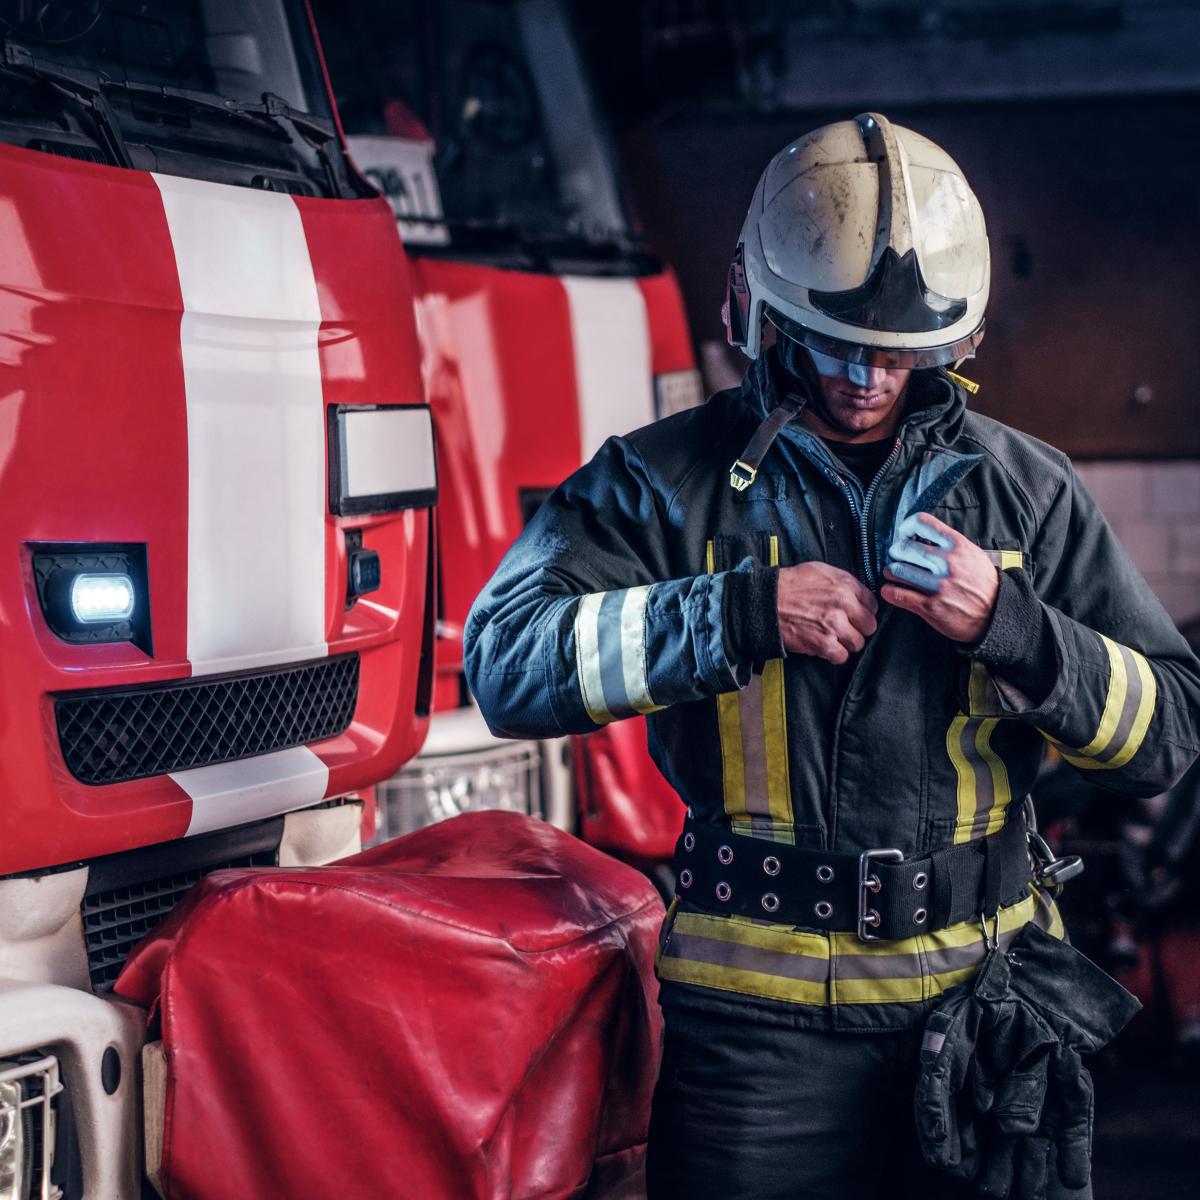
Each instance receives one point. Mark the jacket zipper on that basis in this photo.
(863, 516)
(864, 525)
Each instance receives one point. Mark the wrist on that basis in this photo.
(750, 611)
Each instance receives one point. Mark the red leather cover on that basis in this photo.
(469, 1011)
(625, 805)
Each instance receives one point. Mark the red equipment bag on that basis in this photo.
(469, 1011)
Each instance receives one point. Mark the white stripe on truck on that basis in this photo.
(235, 793)
(256, 427)
(610, 334)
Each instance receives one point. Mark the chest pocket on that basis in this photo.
(752, 723)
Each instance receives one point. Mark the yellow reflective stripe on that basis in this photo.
(587, 657)
(966, 779)
(747, 983)
(1001, 788)
(1114, 701)
(983, 788)
(1141, 722)
(1007, 560)
(1128, 710)
(776, 961)
(774, 716)
(779, 788)
(752, 725)
(732, 766)
(782, 939)
(633, 650)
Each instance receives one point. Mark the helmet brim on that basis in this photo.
(877, 356)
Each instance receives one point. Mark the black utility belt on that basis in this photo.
(879, 894)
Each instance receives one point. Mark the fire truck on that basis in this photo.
(216, 561)
(546, 326)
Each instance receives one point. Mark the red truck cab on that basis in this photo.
(215, 555)
(546, 326)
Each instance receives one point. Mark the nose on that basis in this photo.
(863, 376)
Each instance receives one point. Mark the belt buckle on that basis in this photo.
(868, 881)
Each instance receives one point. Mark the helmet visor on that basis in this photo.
(876, 356)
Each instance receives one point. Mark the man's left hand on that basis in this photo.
(958, 582)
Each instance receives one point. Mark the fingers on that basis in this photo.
(847, 633)
(917, 576)
(946, 533)
(925, 525)
(906, 598)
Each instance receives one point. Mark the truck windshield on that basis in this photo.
(224, 90)
(476, 119)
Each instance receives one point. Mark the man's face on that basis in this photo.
(854, 403)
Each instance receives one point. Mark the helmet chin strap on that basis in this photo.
(790, 405)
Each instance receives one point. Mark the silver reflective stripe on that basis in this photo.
(610, 654)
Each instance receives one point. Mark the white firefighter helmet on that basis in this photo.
(864, 243)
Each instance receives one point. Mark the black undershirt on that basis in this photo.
(861, 459)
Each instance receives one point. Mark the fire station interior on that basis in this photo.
(307, 308)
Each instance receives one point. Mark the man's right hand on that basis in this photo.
(824, 611)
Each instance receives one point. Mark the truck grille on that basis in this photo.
(129, 894)
(121, 734)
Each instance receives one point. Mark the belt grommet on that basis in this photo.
(724, 855)
(825, 874)
(824, 910)
(920, 879)
(685, 878)
(724, 891)
(770, 902)
(689, 841)
(919, 916)
(771, 865)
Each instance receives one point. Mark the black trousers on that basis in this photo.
(746, 1110)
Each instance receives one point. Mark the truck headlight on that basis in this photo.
(106, 599)
(430, 789)
(28, 1128)
(14, 1163)
(94, 592)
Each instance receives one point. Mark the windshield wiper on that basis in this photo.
(273, 115)
(77, 87)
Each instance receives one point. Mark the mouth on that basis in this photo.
(862, 400)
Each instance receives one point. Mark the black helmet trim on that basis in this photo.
(892, 299)
(877, 356)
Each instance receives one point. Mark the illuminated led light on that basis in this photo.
(102, 599)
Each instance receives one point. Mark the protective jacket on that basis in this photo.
(634, 588)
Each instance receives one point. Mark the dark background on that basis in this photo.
(1077, 125)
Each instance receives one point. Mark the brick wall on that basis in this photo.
(1155, 510)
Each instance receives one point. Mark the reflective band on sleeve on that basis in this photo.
(752, 725)
(984, 792)
(610, 654)
(1128, 709)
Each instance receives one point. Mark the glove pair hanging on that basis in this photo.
(1003, 1099)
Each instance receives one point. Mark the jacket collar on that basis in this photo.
(934, 404)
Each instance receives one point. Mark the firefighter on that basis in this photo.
(852, 611)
